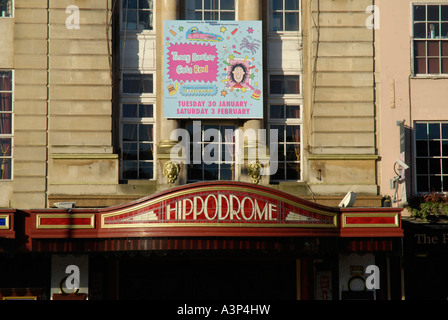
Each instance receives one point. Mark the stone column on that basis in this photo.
(251, 10)
(165, 10)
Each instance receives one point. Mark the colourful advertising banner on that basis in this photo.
(213, 69)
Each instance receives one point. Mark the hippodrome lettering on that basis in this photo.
(221, 207)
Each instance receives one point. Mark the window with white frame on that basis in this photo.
(137, 141)
(6, 133)
(430, 38)
(137, 15)
(6, 7)
(216, 160)
(431, 156)
(280, 84)
(137, 83)
(284, 15)
(286, 120)
(210, 10)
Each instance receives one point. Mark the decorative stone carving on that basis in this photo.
(171, 171)
(254, 171)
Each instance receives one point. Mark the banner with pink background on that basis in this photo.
(213, 69)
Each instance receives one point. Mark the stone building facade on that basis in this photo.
(67, 79)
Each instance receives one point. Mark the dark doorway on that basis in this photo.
(207, 278)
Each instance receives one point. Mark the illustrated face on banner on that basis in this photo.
(213, 69)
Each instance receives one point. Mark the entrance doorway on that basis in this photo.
(207, 278)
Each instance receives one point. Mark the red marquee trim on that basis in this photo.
(272, 218)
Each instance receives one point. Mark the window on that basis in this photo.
(6, 8)
(284, 84)
(430, 39)
(284, 15)
(217, 147)
(137, 15)
(431, 156)
(5, 124)
(211, 10)
(137, 83)
(286, 120)
(137, 142)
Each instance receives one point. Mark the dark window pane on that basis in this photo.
(421, 132)
(420, 48)
(130, 19)
(434, 166)
(209, 16)
(145, 4)
(420, 30)
(433, 48)
(5, 169)
(280, 152)
(146, 151)
(277, 4)
(445, 65)
(434, 131)
(129, 151)
(130, 111)
(445, 48)
(129, 132)
(145, 133)
(444, 130)
(276, 84)
(146, 111)
(130, 4)
(444, 31)
(5, 102)
(433, 66)
(445, 169)
(420, 65)
(277, 112)
(130, 170)
(195, 172)
(422, 148)
(435, 184)
(211, 172)
(146, 170)
(444, 15)
(280, 133)
(227, 5)
(434, 148)
(445, 183)
(145, 20)
(292, 133)
(432, 30)
(5, 80)
(293, 112)
(226, 172)
(137, 83)
(422, 184)
(280, 173)
(227, 16)
(5, 148)
(291, 4)
(419, 13)
(292, 171)
(5, 123)
(433, 13)
(277, 21)
(293, 152)
(445, 148)
(291, 21)
(422, 166)
(292, 85)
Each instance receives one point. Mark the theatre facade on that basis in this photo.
(205, 240)
(192, 149)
